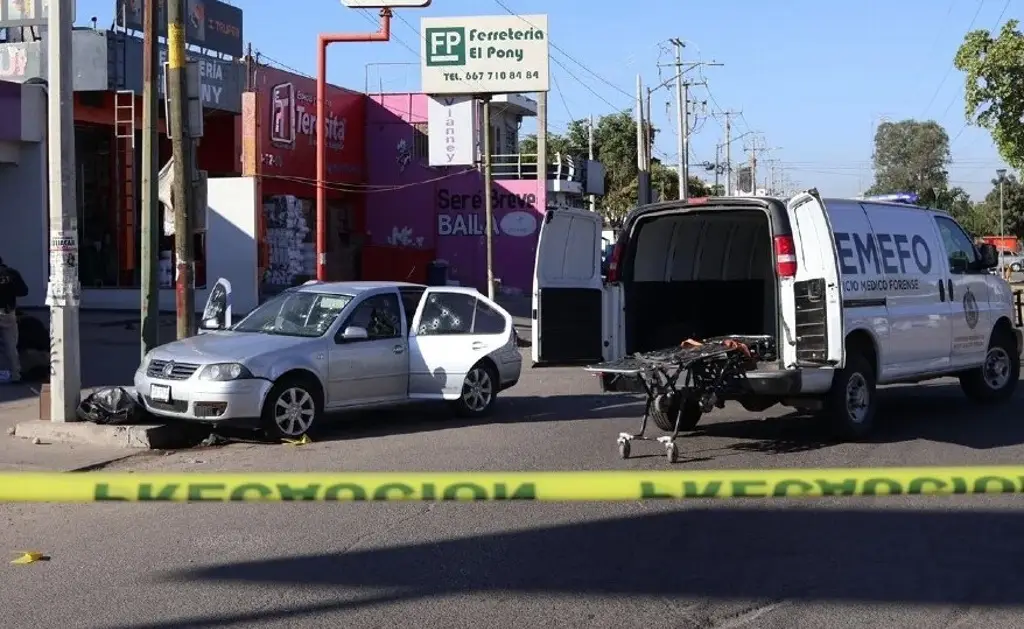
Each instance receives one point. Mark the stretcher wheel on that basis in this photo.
(624, 449)
(672, 452)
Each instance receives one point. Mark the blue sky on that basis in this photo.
(813, 78)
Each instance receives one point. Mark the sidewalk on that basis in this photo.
(110, 354)
(521, 309)
(20, 403)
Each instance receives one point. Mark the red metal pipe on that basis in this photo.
(324, 40)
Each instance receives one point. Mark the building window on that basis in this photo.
(420, 141)
(109, 213)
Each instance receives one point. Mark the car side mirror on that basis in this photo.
(989, 256)
(211, 324)
(355, 333)
(958, 265)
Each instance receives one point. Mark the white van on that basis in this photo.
(855, 293)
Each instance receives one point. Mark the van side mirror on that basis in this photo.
(989, 256)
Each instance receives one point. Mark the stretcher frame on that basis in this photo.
(709, 371)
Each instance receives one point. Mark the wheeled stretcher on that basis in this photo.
(702, 373)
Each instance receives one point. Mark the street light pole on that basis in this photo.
(1001, 175)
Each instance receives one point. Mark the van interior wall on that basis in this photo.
(699, 275)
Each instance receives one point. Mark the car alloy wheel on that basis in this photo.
(294, 411)
(478, 389)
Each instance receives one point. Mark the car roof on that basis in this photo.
(352, 288)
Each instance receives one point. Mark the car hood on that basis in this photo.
(225, 347)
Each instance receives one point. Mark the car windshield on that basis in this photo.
(295, 313)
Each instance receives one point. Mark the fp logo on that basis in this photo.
(282, 114)
(446, 46)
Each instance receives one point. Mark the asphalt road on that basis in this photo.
(899, 562)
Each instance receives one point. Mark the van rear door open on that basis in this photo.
(568, 291)
(816, 322)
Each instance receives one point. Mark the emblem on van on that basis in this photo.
(970, 309)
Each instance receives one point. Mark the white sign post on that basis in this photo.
(501, 54)
(386, 4)
(452, 130)
(479, 56)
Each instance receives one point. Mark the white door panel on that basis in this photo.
(373, 370)
(452, 330)
(568, 299)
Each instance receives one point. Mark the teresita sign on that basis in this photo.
(499, 54)
(209, 24)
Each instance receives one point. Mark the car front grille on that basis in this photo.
(178, 371)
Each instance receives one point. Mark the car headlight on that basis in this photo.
(223, 372)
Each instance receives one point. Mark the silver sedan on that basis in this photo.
(327, 347)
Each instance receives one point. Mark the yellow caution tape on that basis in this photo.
(470, 486)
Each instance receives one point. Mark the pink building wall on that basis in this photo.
(442, 208)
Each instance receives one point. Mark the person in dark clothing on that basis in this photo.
(12, 286)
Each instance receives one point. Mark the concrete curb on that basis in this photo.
(140, 437)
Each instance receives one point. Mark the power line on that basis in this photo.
(561, 96)
(951, 66)
(565, 54)
(999, 21)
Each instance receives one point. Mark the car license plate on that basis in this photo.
(160, 393)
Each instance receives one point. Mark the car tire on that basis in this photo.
(479, 391)
(996, 379)
(851, 403)
(666, 420)
(1016, 267)
(292, 409)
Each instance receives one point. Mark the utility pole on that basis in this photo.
(181, 193)
(648, 139)
(489, 195)
(590, 156)
(718, 165)
(643, 178)
(683, 113)
(63, 291)
(682, 124)
(151, 227)
(728, 149)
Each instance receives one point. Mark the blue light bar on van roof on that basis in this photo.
(896, 197)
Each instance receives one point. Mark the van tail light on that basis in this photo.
(613, 263)
(785, 256)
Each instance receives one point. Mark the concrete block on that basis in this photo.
(154, 436)
(44, 403)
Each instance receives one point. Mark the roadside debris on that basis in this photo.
(110, 406)
(30, 556)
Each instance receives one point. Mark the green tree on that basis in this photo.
(910, 156)
(1013, 208)
(994, 87)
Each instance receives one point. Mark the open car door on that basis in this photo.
(568, 291)
(217, 313)
(817, 326)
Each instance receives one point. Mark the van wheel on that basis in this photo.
(666, 419)
(850, 404)
(996, 379)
